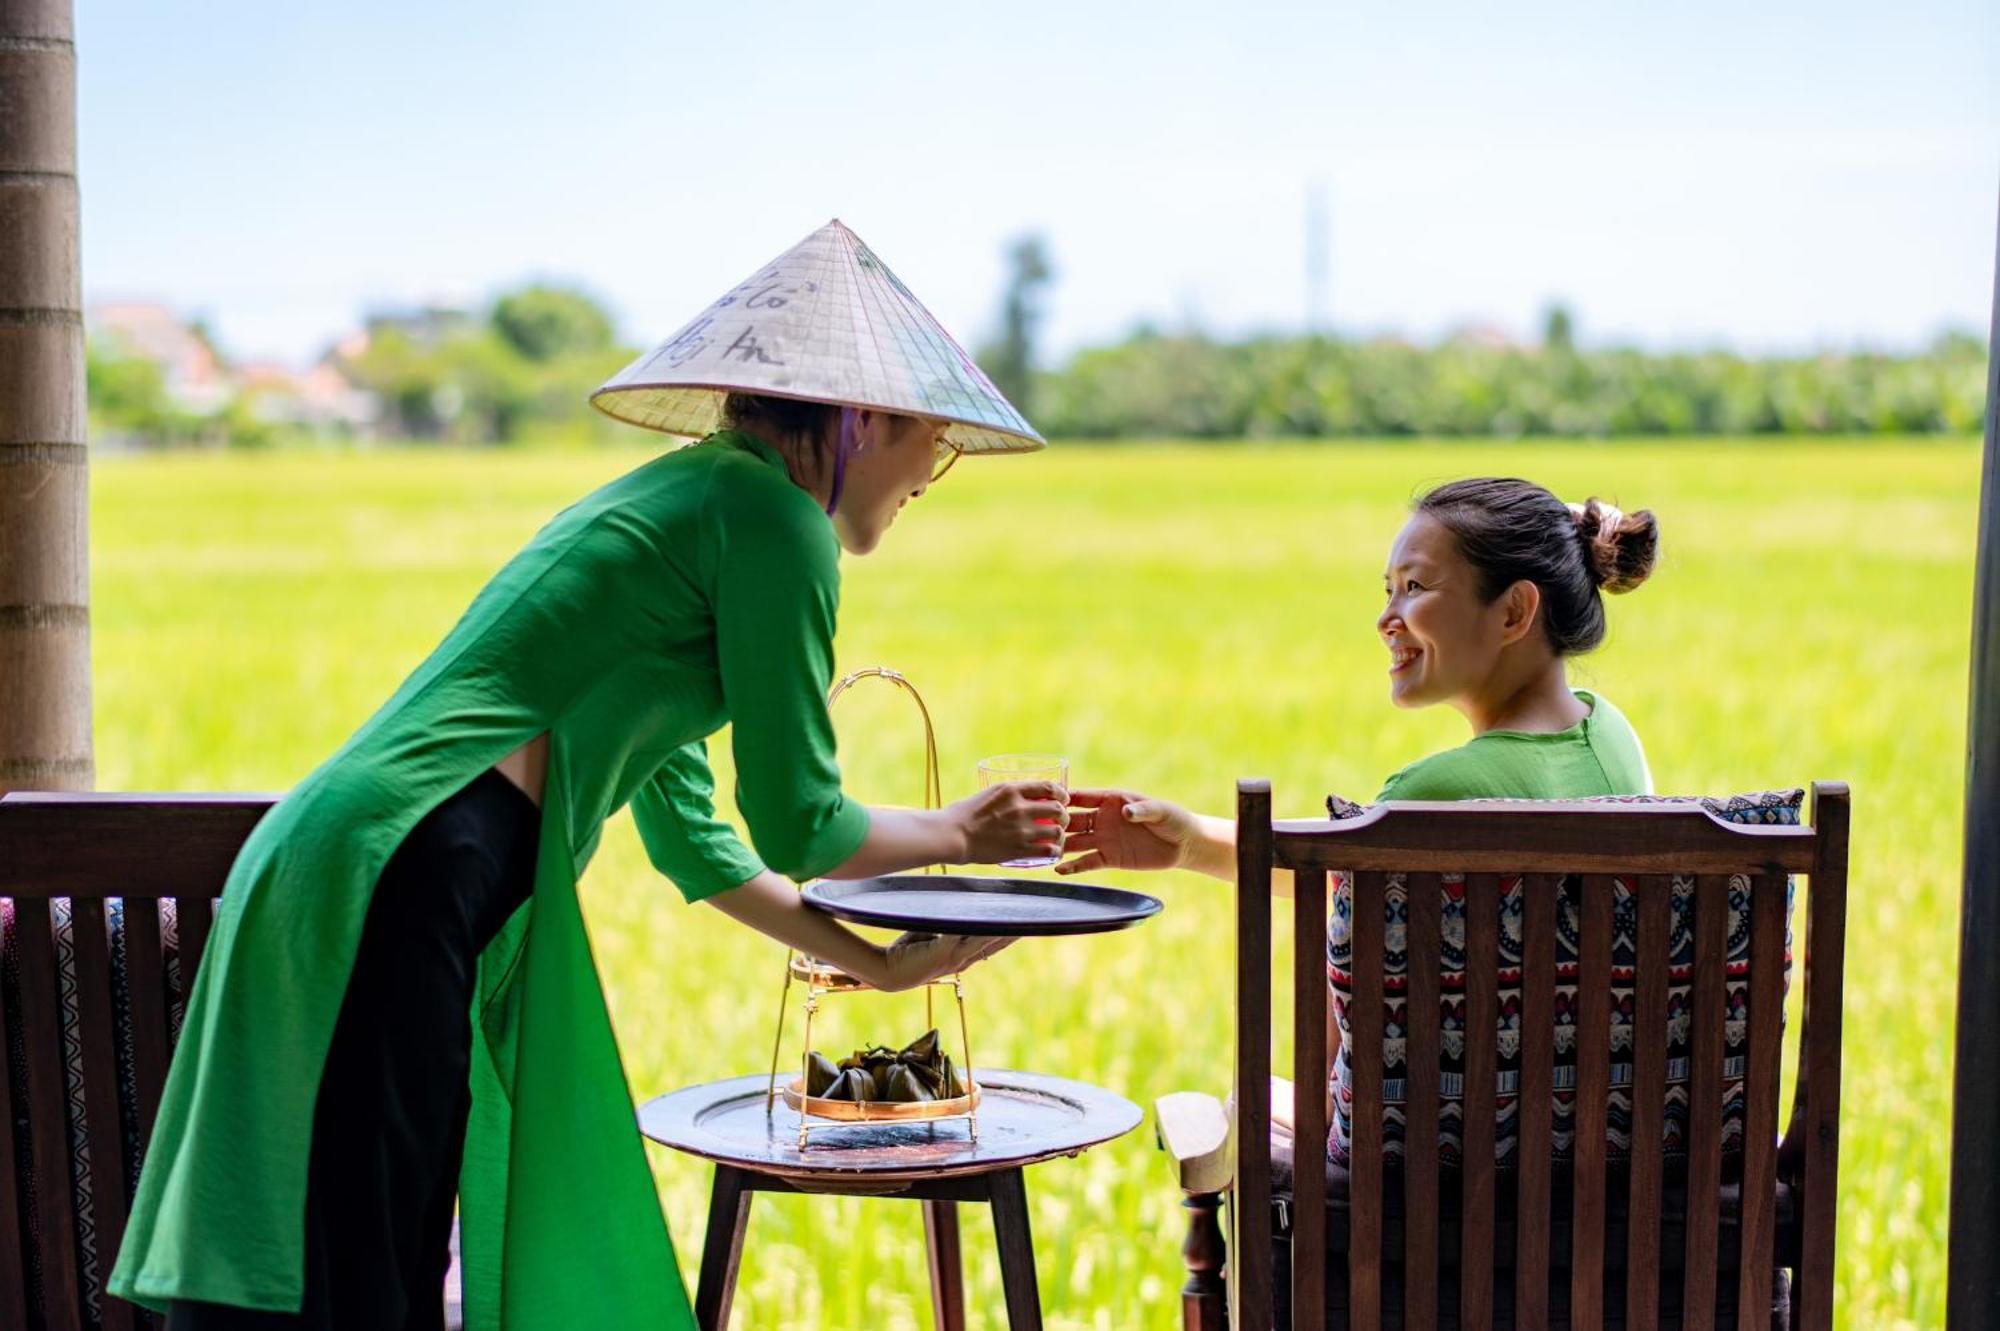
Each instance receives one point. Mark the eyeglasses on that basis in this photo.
(947, 454)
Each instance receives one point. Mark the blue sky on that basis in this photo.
(1774, 176)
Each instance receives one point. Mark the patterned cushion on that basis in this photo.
(1770, 807)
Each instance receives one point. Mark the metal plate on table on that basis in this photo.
(1024, 1118)
(965, 904)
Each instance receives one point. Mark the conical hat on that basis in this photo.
(825, 321)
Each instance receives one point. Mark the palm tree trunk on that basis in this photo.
(44, 541)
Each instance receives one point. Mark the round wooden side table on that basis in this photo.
(1024, 1119)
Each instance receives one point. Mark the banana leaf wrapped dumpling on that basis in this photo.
(928, 1077)
(820, 1073)
(923, 1049)
(854, 1084)
(919, 1072)
(903, 1085)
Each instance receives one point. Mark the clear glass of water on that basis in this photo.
(1005, 767)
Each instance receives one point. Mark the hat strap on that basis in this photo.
(843, 445)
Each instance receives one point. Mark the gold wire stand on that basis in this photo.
(822, 979)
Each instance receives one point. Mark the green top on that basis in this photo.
(1599, 755)
(698, 589)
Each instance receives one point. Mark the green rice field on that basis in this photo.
(1171, 618)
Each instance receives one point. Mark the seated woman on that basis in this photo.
(1491, 586)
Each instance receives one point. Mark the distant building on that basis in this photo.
(199, 381)
(426, 326)
(1489, 337)
(193, 374)
(322, 400)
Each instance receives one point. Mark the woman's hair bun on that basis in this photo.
(1620, 549)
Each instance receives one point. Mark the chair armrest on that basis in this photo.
(1198, 1132)
(1194, 1129)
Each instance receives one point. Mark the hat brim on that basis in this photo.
(692, 411)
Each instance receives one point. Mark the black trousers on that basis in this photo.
(389, 1123)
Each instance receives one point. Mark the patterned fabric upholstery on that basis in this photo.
(93, 1264)
(1770, 807)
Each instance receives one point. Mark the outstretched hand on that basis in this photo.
(1122, 829)
(916, 959)
(774, 906)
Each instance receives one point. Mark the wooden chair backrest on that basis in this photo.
(70, 854)
(1645, 845)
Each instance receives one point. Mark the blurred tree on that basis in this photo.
(125, 392)
(1558, 330)
(525, 375)
(129, 403)
(1193, 387)
(1010, 361)
(543, 323)
(491, 385)
(408, 379)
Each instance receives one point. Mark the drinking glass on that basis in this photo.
(1005, 767)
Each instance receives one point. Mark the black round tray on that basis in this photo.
(963, 904)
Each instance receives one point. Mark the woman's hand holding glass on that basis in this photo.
(1016, 820)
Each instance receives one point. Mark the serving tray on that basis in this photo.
(966, 904)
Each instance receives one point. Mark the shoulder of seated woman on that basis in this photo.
(1467, 772)
(1437, 776)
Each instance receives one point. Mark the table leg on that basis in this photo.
(1017, 1251)
(947, 1265)
(722, 1248)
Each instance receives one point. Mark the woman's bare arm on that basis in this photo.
(1005, 822)
(772, 906)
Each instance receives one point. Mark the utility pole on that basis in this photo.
(1318, 259)
(45, 739)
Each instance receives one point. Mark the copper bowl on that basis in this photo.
(876, 1111)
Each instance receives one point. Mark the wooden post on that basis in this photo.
(1973, 1298)
(1250, 1265)
(44, 545)
(1203, 1297)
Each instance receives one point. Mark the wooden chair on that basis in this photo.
(107, 902)
(1640, 1243)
